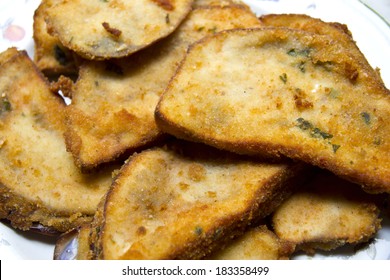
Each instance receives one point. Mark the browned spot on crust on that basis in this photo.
(165, 4)
(113, 31)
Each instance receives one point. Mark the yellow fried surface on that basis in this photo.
(39, 181)
(49, 55)
(106, 29)
(255, 244)
(113, 102)
(283, 92)
(335, 30)
(329, 212)
(183, 203)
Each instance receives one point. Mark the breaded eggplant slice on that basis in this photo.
(50, 56)
(281, 92)
(112, 29)
(256, 244)
(327, 213)
(187, 201)
(336, 30)
(113, 102)
(39, 182)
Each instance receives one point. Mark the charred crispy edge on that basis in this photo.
(117, 54)
(370, 182)
(277, 189)
(23, 214)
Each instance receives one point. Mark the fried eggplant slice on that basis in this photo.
(256, 244)
(185, 201)
(113, 102)
(39, 182)
(281, 92)
(327, 213)
(107, 29)
(50, 56)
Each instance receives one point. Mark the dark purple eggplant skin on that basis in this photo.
(66, 246)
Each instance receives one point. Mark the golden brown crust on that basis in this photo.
(327, 213)
(50, 56)
(255, 244)
(113, 102)
(344, 129)
(113, 29)
(39, 182)
(180, 206)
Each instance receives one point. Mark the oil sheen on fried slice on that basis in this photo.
(184, 203)
(283, 92)
(39, 182)
(105, 29)
(113, 102)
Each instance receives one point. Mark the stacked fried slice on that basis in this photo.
(184, 201)
(327, 213)
(49, 55)
(107, 29)
(113, 102)
(283, 92)
(39, 182)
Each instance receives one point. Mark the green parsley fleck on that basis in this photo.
(335, 147)
(366, 117)
(283, 77)
(198, 230)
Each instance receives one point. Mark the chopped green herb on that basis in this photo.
(317, 133)
(5, 105)
(294, 52)
(200, 28)
(302, 67)
(283, 77)
(335, 147)
(198, 230)
(366, 117)
(304, 124)
(167, 20)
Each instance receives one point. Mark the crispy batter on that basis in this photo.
(50, 56)
(39, 181)
(221, 3)
(184, 202)
(112, 110)
(337, 31)
(108, 29)
(283, 92)
(327, 213)
(256, 244)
